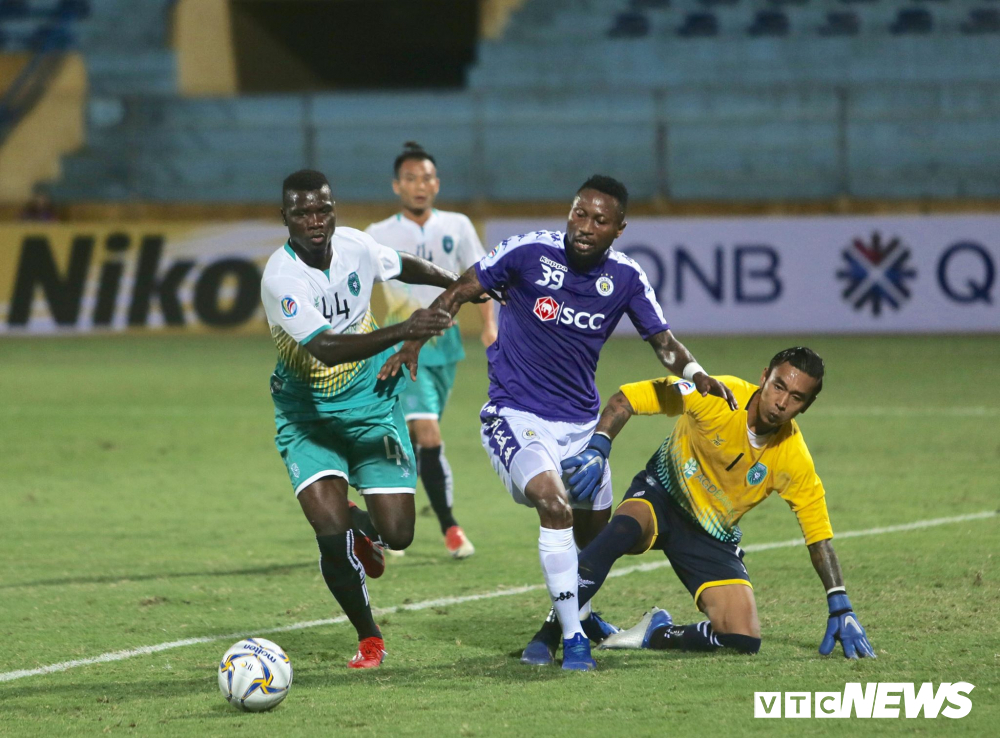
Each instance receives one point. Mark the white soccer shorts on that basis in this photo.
(521, 446)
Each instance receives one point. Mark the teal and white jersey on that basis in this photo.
(448, 240)
(301, 302)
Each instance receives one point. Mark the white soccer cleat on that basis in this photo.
(638, 635)
(394, 553)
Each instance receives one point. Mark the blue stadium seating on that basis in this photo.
(841, 97)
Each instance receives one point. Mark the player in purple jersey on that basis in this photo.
(564, 295)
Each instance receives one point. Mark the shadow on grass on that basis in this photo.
(109, 579)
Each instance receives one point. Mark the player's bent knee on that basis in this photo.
(397, 537)
(739, 642)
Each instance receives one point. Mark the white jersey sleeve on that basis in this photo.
(386, 263)
(471, 248)
(288, 305)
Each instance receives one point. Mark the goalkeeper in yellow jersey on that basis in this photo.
(716, 465)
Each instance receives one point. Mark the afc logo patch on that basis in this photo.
(546, 309)
(289, 308)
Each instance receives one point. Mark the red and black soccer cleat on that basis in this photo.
(369, 553)
(370, 653)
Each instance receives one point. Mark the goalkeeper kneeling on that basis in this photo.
(716, 465)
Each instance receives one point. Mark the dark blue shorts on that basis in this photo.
(700, 560)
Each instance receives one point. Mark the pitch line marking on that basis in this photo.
(445, 601)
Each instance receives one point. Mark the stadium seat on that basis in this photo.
(982, 20)
(50, 38)
(912, 21)
(629, 25)
(842, 23)
(769, 23)
(72, 9)
(699, 25)
(13, 9)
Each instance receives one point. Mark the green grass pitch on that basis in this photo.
(143, 502)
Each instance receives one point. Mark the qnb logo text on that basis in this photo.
(546, 309)
(871, 700)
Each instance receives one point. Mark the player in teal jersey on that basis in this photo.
(337, 424)
(450, 241)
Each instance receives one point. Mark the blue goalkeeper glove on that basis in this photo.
(845, 627)
(589, 467)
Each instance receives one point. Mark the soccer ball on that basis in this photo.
(255, 674)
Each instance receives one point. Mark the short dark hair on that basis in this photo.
(411, 151)
(304, 180)
(609, 186)
(803, 359)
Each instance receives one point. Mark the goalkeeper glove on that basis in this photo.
(589, 467)
(845, 627)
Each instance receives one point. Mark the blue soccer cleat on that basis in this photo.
(638, 636)
(597, 628)
(576, 654)
(538, 653)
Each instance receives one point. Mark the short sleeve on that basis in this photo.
(644, 309)
(386, 263)
(471, 248)
(500, 267)
(287, 306)
(803, 491)
(657, 396)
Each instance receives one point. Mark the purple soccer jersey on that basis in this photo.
(556, 321)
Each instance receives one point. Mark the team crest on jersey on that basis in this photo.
(289, 307)
(528, 434)
(690, 468)
(354, 284)
(448, 244)
(604, 285)
(756, 474)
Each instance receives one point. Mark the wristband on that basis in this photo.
(601, 442)
(838, 604)
(692, 368)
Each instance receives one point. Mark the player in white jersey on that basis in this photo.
(337, 424)
(448, 240)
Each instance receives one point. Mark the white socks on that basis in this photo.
(557, 552)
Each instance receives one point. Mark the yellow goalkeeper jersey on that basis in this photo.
(713, 472)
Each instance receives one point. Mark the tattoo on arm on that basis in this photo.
(826, 564)
(615, 416)
(671, 352)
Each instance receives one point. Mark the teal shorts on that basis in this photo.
(368, 446)
(425, 399)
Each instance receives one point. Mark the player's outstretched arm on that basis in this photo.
(588, 466)
(420, 271)
(339, 348)
(675, 357)
(843, 624)
(465, 289)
